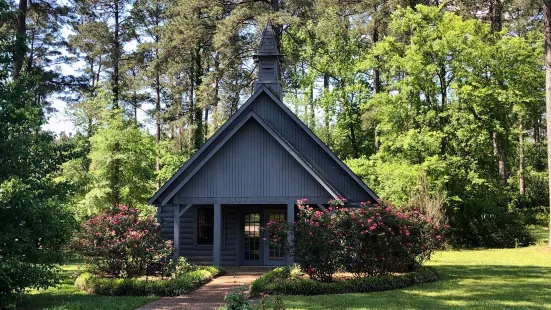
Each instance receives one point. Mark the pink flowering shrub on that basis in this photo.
(373, 239)
(316, 240)
(121, 243)
(379, 239)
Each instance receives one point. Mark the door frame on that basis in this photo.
(264, 211)
(266, 249)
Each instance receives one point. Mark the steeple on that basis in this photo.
(269, 61)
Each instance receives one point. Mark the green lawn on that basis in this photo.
(67, 297)
(483, 279)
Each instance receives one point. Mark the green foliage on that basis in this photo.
(277, 283)
(174, 269)
(237, 300)
(121, 243)
(170, 160)
(34, 220)
(182, 284)
(501, 230)
(122, 165)
(455, 92)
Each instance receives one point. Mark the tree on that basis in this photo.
(452, 85)
(122, 163)
(34, 219)
(547, 36)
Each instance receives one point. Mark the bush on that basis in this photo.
(502, 230)
(273, 282)
(378, 239)
(174, 269)
(315, 241)
(237, 300)
(182, 284)
(121, 243)
(374, 239)
(34, 226)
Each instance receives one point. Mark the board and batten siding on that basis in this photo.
(299, 139)
(252, 164)
(202, 254)
(326, 166)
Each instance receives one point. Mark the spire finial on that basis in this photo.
(269, 61)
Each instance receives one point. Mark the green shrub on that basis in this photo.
(237, 300)
(493, 230)
(272, 282)
(174, 269)
(182, 284)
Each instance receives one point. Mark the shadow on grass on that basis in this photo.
(488, 287)
(70, 301)
(67, 297)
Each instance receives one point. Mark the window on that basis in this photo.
(205, 225)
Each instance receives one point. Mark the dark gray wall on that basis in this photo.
(252, 164)
(202, 254)
(292, 132)
(308, 148)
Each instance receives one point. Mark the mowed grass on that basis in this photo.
(474, 279)
(68, 297)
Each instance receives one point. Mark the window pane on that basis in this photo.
(205, 227)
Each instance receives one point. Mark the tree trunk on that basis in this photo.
(326, 109)
(312, 116)
(20, 39)
(376, 85)
(547, 36)
(199, 137)
(521, 185)
(116, 55)
(157, 123)
(495, 11)
(499, 143)
(216, 117)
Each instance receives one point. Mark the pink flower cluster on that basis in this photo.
(121, 243)
(371, 239)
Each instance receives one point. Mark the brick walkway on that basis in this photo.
(210, 295)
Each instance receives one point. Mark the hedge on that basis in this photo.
(278, 282)
(182, 284)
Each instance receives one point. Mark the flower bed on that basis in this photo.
(181, 284)
(280, 282)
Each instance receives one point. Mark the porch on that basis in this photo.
(226, 234)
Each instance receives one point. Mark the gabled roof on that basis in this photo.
(229, 128)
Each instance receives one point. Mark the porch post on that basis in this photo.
(176, 232)
(217, 242)
(290, 219)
